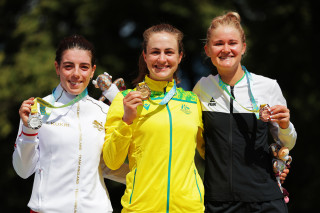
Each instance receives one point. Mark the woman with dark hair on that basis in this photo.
(157, 126)
(61, 140)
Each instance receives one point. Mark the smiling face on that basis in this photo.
(162, 56)
(225, 48)
(75, 70)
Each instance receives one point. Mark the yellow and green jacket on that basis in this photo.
(160, 145)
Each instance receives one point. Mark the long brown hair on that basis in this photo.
(143, 69)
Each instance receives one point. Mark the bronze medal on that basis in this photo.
(144, 89)
(264, 112)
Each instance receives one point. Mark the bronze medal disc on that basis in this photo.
(264, 113)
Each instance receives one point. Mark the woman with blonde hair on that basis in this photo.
(238, 164)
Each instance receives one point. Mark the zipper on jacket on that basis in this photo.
(170, 156)
(134, 181)
(195, 176)
(230, 137)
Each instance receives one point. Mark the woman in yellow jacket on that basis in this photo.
(158, 126)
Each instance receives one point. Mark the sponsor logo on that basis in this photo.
(59, 124)
(212, 102)
(146, 106)
(185, 109)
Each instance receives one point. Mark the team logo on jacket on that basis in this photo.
(212, 102)
(98, 125)
(185, 109)
(146, 106)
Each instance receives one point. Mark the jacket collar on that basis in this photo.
(158, 85)
(62, 96)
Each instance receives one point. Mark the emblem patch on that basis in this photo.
(98, 125)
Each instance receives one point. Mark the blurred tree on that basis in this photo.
(280, 38)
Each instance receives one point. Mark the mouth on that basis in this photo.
(75, 83)
(225, 57)
(161, 67)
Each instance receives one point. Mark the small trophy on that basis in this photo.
(144, 89)
(264, 112)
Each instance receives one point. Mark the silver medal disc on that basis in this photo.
(34, 121)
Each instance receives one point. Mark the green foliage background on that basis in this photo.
(282, 44)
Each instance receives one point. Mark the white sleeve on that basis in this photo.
(287, 136)
(118, 175)
(111, 93)
(26, 152)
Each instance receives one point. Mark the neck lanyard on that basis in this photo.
(253, 101)
(169, 95)
(46, 107)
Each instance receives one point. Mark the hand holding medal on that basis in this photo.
(144, 89)
(34, 120)
(264, 112)
(29, 114)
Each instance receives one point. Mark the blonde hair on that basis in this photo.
(229, 19)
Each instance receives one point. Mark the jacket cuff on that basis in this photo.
(288, 130)
(28, 132)
(124, 129)
(111, 93)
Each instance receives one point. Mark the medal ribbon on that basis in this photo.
(169, 95)
(253, 101)
(44, 104)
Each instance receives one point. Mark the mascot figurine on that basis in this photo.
(281, 161)
(104, 82)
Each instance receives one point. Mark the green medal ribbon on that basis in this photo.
(44, 104)
(253, 102)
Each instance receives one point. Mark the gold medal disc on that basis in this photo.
(144, 89)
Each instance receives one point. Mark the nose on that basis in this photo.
(76, 72)
(226, 48)
(162, 58)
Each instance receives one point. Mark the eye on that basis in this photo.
(68, 66)
(85, 67)
(169, 52)
(155, 52)
(218, 44)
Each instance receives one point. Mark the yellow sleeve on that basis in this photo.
(200, 140)
(118, 135)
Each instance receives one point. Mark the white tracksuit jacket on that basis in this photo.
(65, 154)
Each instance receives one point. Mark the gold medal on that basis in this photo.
(144, 89)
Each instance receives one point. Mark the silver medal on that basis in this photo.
(34, 121)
